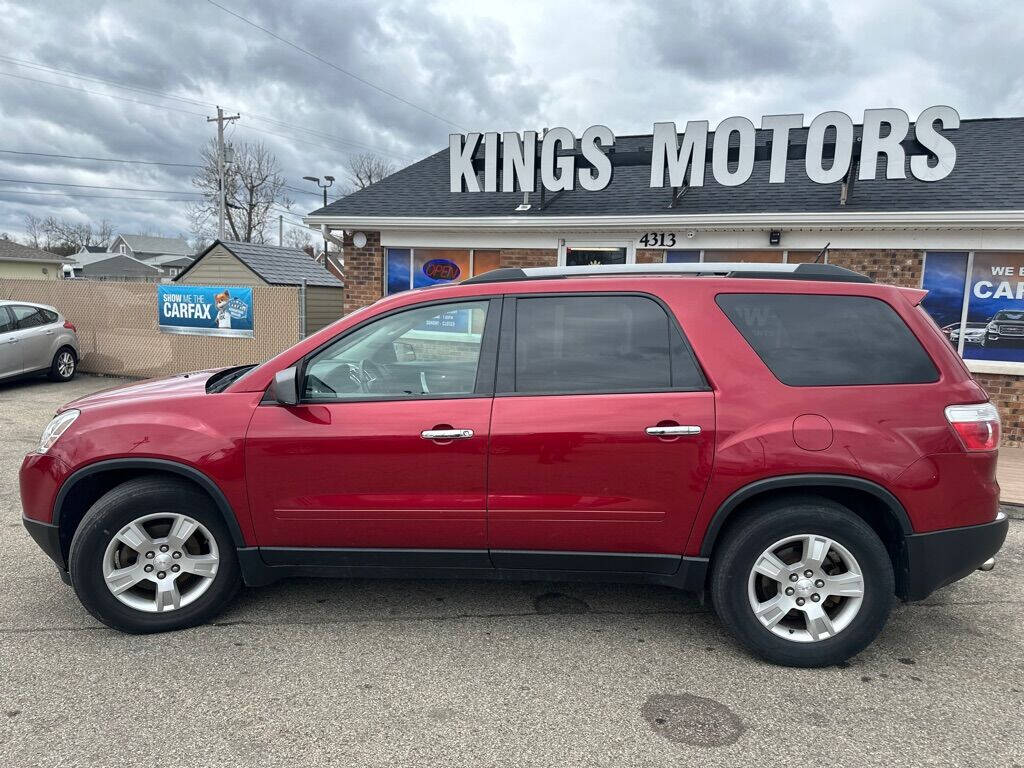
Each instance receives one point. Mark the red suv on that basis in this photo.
(794, 442)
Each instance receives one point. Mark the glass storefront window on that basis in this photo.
(593, 256)
(408, 268)
(682, 257)
(760, 257)
(977, 299)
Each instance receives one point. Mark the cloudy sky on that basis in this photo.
(136, 80)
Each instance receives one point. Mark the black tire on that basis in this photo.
(116, 509)
(751, 535)
(55, 374)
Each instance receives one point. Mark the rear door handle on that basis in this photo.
(49, 333)
(446, 434)
(688, 429)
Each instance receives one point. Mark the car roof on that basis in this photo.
(12, 302)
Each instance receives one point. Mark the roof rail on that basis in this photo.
(826, 272)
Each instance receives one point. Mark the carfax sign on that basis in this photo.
(205, 310)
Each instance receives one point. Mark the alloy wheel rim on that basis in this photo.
(160, 562)
(65, 364)
(806, 588)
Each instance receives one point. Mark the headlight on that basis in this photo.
(993, 328)
(56, 428)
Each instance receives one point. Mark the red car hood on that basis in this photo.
(181, 384)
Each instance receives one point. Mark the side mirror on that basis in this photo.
(285, 388)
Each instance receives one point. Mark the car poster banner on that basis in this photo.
(205, 310)
(978, 301)
(996, 304)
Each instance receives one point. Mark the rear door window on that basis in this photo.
(590, 344)
(815, 341)
(6, 321)
(28, 317)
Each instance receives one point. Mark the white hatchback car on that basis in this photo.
(35, 338)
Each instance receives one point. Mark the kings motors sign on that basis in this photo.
(510, 160)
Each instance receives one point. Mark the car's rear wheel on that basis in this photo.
(803, 582)
(64, 365)
(153, 555)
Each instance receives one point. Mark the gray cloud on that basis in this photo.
(485, 66)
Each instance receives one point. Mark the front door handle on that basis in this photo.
(446, 434)
(688, 429)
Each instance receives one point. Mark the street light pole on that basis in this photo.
(330, 181)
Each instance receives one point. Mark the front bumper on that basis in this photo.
(47, 536)
(935, 559)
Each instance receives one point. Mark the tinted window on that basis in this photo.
(48, 316)
(599, 344)
(6, 321)
(428, 351)
(28, 317)
(811, 341)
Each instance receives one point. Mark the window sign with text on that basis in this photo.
(978, 302)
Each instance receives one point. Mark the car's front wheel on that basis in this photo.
(153, 555)
(803, 582)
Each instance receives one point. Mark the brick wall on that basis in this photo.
(364, 271)
(528, 257)
(895, 267)
(1007, 393)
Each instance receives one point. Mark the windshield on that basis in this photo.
(1009, 315)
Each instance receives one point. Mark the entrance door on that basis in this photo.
(388, 445)
(602, 435)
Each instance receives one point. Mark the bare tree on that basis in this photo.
(253, 184)
(367, 168)
(35, 231)
(65, 237)
(297, 237)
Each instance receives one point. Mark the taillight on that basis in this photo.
(70, 326)
(977, 426)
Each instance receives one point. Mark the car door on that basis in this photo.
(10, 352)
(602, 435)
(387, 448)
(35, 335)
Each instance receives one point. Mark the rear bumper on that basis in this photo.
(933, 560)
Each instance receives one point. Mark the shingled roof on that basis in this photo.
(988, 176)
(274, 264)
(12, 251)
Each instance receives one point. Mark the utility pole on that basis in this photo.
(280, 229)
(220, 119)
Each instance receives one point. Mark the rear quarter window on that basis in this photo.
(817, 341)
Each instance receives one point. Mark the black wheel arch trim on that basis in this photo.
(161, 465)
(796, 481)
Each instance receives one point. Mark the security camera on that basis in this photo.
(691, 234)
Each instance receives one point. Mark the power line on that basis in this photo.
(105, 95)
(100, 159)
(92, 78)
(85, 194)
(100, 186)
(334, 66)
(160, 94)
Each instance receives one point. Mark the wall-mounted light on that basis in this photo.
(359, 240)
(774, 237)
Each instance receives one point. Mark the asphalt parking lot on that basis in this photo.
(402, 673)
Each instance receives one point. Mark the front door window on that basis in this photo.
(584, 256)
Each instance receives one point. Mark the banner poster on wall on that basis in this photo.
(205, 310)
(978, 301)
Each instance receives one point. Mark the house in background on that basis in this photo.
(114, 266)
(228, 263)
(169, 254)
(24, 261)
(133, 257)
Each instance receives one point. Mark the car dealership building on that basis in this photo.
(937, 203)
